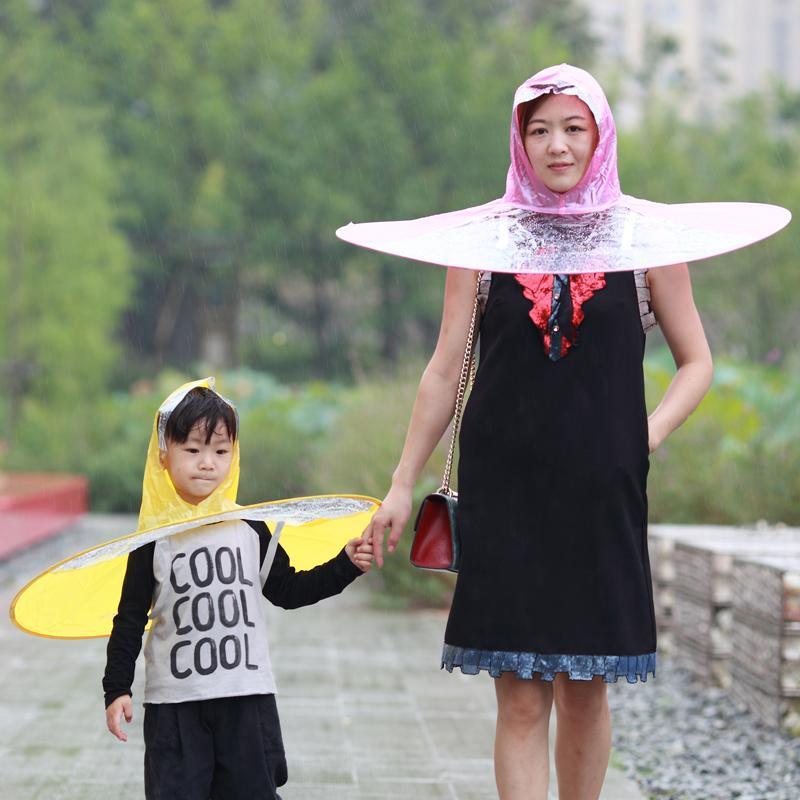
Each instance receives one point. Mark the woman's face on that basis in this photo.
(560, 138)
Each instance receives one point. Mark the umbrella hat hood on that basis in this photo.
(599, 187)
(161, 504)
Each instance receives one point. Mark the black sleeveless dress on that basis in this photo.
(552, 511)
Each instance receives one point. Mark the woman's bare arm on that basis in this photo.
(432, 412)
(673, 304)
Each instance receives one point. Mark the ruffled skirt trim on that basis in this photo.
(579, 668)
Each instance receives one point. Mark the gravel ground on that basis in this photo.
(682, 741)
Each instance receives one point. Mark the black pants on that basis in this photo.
(228, 748)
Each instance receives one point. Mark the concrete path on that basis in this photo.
(366, 713)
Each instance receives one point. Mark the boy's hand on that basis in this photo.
(121, 706)
(360, 553)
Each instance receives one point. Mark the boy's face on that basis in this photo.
(197, 468)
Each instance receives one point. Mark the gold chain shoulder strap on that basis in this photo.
(468, 368)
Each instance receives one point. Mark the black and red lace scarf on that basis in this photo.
(557, 306)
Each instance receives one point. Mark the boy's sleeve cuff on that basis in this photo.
(110, 697)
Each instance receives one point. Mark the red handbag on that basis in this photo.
(436, 544)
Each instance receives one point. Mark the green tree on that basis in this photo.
(248, 130)
(167, 123)
(63, 266)
(397, 110)
(747, 298)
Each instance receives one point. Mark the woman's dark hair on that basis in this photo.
(526, 111)
(203, 406)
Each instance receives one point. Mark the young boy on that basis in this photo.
(211, 726)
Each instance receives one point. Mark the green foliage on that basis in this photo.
(114, 461)
(247, 131)
(63, 266)
(280, 437)
(170, 114)
(360, 454)
(280, 429)
(737, 458)
(747, 298)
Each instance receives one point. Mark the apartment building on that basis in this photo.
(725, 48)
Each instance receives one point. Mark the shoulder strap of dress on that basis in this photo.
(484, 284)
(646, 312)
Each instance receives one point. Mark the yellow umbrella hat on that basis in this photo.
(77, 598)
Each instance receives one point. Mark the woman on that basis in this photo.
(554, 595)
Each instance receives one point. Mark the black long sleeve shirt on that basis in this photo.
(285, 587)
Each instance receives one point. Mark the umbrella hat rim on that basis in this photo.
(180, 526)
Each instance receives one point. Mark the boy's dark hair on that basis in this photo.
(204, 406)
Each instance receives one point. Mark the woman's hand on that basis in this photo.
(120, 707)
(654, 436)
(393, 514)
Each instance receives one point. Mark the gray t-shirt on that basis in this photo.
(209, 633)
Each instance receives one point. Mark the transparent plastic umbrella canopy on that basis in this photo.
(593, 227)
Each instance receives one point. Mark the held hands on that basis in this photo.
(393, 514)
(114, 713)
(359, 552)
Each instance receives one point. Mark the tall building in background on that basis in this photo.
(714, 50)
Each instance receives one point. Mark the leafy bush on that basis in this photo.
(281, 431)
(360, 454)
(737, 458)
(281, 428)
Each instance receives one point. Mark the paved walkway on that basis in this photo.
(365, 712)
